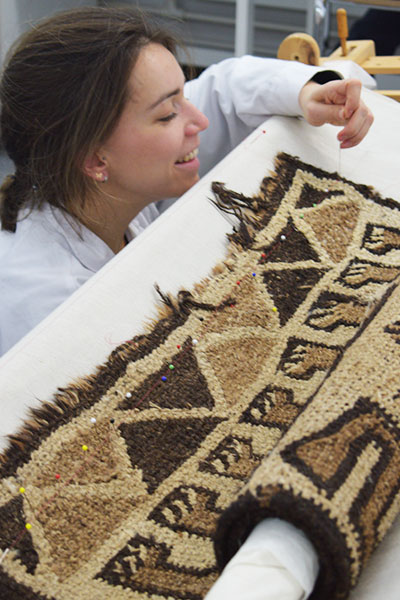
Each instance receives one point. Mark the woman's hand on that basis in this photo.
(339, 103)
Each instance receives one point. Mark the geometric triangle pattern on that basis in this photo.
(326, 223)
(187, 387)
(10, 588)
(341, 459)
(270, 389)
(169, 443)
(249, 349)
(310, 195)
(67, 551)
(281, 283)
(11, 522)
(296, 249)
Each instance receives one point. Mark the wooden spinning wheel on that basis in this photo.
(303, 48)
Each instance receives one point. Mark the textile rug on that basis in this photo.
(271, 389)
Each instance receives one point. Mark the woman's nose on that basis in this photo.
(197, 121)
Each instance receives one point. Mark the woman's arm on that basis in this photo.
(238, 94)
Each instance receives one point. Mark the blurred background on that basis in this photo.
(217, 29)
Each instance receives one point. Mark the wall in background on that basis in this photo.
(17, 15)
(208, 26)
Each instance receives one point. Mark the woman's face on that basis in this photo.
(151, 154)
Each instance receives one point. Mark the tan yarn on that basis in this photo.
(281, 398)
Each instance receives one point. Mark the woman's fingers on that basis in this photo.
(356, 128)
(352, 96)
(338, 103)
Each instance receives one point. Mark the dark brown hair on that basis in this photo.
(62, 91)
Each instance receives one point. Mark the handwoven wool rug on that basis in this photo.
(271, 389)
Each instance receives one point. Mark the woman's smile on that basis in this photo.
(157, 125)
(189, 157)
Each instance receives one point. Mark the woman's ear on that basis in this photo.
(95, 166)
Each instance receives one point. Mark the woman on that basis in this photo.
(100, 125)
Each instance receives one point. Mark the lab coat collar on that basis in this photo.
(90, 250)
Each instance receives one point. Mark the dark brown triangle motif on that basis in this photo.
(289, 288)
(294, 248)
(12, 522)
(311, 195)
(159, 447)
(12, 590)
(185, 387)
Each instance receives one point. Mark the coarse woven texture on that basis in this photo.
(272, 389)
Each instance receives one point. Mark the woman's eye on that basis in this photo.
(168, 117)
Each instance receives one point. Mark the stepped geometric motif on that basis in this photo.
(271, 389)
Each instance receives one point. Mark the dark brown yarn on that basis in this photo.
(270, 389)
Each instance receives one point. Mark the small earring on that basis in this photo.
(101, 177)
